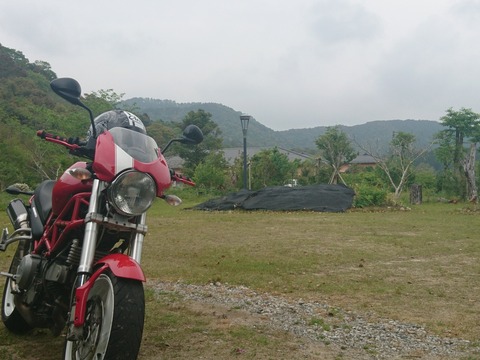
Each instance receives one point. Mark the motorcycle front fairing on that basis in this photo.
(119, 149)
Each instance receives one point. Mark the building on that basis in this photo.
(361, 161)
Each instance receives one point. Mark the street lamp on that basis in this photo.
(244, 119)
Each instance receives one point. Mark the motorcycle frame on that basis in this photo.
(59, 232)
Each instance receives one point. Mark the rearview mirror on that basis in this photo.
(13, 190)
(70, 90)
(67, 88)
(192, 135)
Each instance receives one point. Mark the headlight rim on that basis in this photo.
(113, 191)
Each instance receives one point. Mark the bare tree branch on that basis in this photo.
(402, 151)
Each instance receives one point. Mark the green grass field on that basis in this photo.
(419, 266)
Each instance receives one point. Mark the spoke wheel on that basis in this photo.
(113, 323)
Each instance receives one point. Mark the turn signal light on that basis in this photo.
(172, 200)
(80, 173)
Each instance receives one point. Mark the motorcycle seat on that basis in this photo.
(43, 199)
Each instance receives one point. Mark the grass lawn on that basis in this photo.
(419, 266)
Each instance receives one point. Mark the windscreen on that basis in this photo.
(139, 146)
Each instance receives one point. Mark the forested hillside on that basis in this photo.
(27, 104)
(228, 121)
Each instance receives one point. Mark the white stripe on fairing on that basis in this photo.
(123, 161)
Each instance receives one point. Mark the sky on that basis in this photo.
(289, 64)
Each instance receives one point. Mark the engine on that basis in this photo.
(42, 292)
(27, 273)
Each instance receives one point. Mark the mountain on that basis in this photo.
(226, 118)
(378, 133)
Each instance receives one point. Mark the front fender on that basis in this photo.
(120, 265)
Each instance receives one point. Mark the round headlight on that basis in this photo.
(132, 193)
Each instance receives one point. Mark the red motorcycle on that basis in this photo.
(80, 238)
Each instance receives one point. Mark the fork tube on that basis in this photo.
(91, 232)
(137, 244)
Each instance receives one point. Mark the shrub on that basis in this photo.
(369, 188)
(368, 195)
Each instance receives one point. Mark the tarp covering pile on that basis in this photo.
(325, 198)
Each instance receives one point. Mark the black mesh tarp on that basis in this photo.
(327, 198)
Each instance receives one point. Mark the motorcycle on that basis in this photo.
(80, 238)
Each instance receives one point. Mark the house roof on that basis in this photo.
(363, 159)
(175, 162)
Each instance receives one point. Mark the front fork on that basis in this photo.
(84, 272)
(90, 236)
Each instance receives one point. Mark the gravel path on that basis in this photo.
(350, 333)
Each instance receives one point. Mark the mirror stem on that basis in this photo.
(94, 131)
(168, 145)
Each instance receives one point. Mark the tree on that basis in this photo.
(160, 132)
(12, 62)
(397, 164)
(336, 150)
(447, 180)
(102, 100)
(194, 155)
(445, 150)
(462, 125)
(211, 172)
(469, 163)
(43, 68)
(269, 168)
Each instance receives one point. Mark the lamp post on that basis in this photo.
(244, 119)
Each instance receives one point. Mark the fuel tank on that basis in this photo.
(67, 186)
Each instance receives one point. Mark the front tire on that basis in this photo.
(113, 322)
(11, 317)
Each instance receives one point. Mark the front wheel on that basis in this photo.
(113, 322)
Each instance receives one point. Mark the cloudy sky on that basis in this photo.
(289, 64)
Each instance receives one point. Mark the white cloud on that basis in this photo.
(289, 64)
(339, 21)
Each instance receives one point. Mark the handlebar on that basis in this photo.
(61, 140)
(74, 145)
